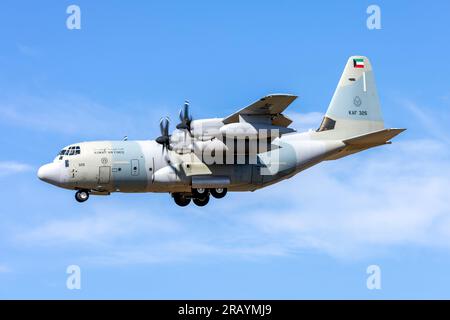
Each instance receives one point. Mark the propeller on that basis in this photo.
(164, 138)
(185, 118)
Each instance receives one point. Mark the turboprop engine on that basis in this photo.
(246, 130)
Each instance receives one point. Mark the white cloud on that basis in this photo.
(12, 167)
(305, 121)
(432, 121)
(66, 114)
(77, 115)
(103, 226)
(112, 236)
(364, 205)
(393, 196)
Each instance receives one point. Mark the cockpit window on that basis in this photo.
(70, 151)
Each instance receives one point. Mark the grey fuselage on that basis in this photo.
(176, 164)
(144, 166)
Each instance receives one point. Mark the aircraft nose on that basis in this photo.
(49, 173)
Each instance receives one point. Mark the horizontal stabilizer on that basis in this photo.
(373, 138)
(366, 141)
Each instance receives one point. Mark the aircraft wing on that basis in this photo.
(270, 106)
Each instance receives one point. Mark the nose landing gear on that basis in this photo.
(82, 195)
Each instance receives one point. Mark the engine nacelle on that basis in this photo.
(216, 144)
(246, 130)
(239, 130)
(166, 175)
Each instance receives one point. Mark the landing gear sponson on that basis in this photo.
(199, 196)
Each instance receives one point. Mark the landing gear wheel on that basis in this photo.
(181, 200)
(200, 193)
(218, 193)
(81, 195)
(201, 202)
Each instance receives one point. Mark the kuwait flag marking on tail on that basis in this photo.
(358, 63)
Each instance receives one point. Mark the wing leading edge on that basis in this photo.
(271, 106)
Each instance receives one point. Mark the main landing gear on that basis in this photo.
(82, 195)
(199, 196)
(218, 193)
(181, 199)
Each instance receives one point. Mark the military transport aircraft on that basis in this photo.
(248, 150)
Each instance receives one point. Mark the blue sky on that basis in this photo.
(133, 62)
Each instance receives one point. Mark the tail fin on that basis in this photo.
(355, 107)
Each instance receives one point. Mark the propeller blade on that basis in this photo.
(181, 116)
(185, 118)
(161, 126)
(164, 126)
(186, 110)
(164, 138)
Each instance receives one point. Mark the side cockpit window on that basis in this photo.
(62, 153)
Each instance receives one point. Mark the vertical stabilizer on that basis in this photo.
(355, 107)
